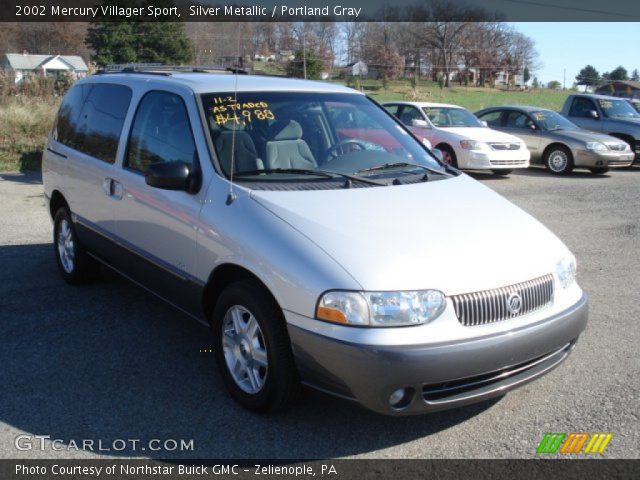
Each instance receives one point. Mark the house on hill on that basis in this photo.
(21, 65)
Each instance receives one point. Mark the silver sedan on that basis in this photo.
(556, 142)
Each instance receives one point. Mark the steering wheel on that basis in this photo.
(338, 149)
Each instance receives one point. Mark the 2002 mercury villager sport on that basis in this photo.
(321, 240)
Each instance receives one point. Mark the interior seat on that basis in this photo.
(286, 149)
(245, 156)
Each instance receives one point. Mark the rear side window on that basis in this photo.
(101, 120)
(67, 121)
(392, 109)
(161, 132)
(492, 118)
(91, 119)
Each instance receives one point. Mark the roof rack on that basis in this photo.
(168, 70)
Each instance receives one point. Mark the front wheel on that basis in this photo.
(502, 172)
(558, 160)
(599, 171)
(252, 348)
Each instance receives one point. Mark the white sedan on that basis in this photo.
(465, 141)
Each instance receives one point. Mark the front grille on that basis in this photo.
(508, 162)
(488, 306)
(617, 147)
(504, 146)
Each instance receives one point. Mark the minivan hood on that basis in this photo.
(455, 235)
(481, 134)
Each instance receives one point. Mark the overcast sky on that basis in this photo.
(574, 45)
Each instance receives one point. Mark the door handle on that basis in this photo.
(112, 188)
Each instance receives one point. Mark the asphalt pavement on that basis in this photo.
(109, 362)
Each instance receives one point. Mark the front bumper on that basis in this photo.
(494, 160)
(610, 159)
(438, 376)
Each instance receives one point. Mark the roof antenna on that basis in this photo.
(231, 196)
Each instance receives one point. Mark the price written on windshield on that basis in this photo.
(227, 109)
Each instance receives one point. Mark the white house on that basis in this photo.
(356, 69)
(20, 65)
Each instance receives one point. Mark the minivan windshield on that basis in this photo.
(294, 135)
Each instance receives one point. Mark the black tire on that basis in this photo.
(599, 171)
(558, 160)
(502, 172)
(449, 155)
(82, 268)
(281, 383)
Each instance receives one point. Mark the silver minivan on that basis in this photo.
(323, 243)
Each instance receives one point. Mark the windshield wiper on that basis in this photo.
(387, 166)
(309, 171)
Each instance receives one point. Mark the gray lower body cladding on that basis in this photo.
(438, 376)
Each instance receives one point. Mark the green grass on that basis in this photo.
(472, 98)
(24, 125)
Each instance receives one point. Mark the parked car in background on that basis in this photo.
(254, 205)
(611, 115)
(465, 142)
(556, 142)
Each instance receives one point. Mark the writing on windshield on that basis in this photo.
(228, 110)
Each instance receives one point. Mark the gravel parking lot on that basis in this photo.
(109, 361)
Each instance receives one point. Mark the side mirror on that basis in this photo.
(593, 114)
(533, 127)
(438, 154)
(176, 175)
(416, 122)
(484, 123)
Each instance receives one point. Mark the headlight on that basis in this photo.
(596, 146)
(566, 270)
(381, 309)
(471, 145)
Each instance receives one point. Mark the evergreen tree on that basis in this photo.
(619, 73)
(125, 41)
(312, 64)
(588, 77)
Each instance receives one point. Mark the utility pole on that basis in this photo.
(564, 79)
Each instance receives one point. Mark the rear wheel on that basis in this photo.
(558, 160)
(74, 263)
(448, 155)
(252, 348)
(599, 171)
(502, 172)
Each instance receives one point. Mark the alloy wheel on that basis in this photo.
(558, 161)
(66, 247)
(244, 349)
